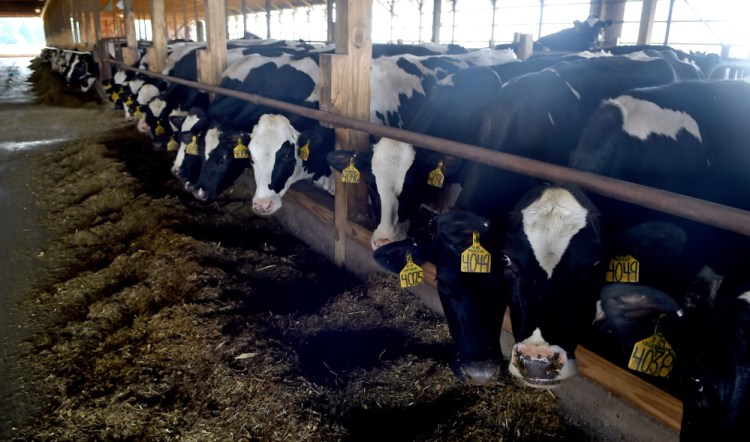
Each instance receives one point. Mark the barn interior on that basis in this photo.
(607, 401)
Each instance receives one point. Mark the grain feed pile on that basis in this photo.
(169, 319)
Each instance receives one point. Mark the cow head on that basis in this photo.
(275, 149)
(704, 317)
(190, 155)
(398, 183)
(473, 303)
(227, 156)
(551, 257)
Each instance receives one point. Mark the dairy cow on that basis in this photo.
(583, 36)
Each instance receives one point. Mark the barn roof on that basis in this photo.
(28, 8)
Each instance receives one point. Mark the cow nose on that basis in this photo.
(189, 186)
(538, 366)
(263, 206)
(379, 242)
(200, 195)
(143, 127)
(480, 372)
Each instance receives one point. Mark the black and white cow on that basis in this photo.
(583, 36)
(83, 71)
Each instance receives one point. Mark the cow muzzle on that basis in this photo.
(538, 364)
(479, 372)
(265, 206)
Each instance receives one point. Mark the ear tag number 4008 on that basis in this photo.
(475, 259)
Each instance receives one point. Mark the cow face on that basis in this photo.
(227, 156)
(397, 177)
(551, 256)
(275, 151)
(190, 155)
(473, 303)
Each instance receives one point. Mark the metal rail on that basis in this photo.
(695, 209)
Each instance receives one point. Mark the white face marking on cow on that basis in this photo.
(147, 93)
(120, 77)
(600, 315)
(550, 223)
(212, 140)
(190, 121)
(175, 113)
(70, 70)
(157, 106)
(135, 85)
(266, 139)
(536, 349)
(390, 161)
(745, 297)
(640, 56)
(642, 118)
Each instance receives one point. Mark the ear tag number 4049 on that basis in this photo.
(475, 259)
(412, 274)
(653, 356)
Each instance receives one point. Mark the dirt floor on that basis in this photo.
(133, 312)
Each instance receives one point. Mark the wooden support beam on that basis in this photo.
(613, 10)
(130, 53)
(647, 22)
(436, 12)
(213, 60)
(346, 90)
(157, 54)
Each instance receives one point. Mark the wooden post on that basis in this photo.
(200, 36)
(244, 18)
(213, 60)
(613, 10)
(436, 21)
(525, 46)
(157, 54)
(647, 21)
(331, 34)
(185, 26)
(130, 53)
(268, 18)
(346, 91)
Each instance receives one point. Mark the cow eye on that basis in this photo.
(509, 269)
(507, 262)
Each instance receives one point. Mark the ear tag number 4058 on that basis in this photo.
(475, 259)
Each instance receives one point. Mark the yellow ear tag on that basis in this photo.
(115, 96)
(241, 151)
(350, 174)
(304, 151)
(623, 269)
(108, 87)
(129, 101)
(475, 259)
(159, 130)
(172, 145)
(138, 114)
(192, 148)
(411, 275)
(653, 356)
(436, 177)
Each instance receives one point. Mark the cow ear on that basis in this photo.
(577, 25)
(340, 159)
(320, 138)
(632, 310)
(456, 228)
(607, 23)
(453, 166)
(393, 256)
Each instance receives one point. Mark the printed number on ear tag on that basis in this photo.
(192, 148)
(241, 151)
(475, 259)
(159, 129)
(412, 274)
(653, 356)
(172, 145)
(623, 269)
(436, 177)
(304, 151)
(350, 174)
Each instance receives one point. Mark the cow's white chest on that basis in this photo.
(550, 223)
(641, 119)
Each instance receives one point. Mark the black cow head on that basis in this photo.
(190, 156)
(473, 303)
(227, 156)
(551, 256)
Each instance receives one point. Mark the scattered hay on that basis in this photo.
(180, 320)
(51, 88)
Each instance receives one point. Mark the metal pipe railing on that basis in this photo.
(706, 212)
